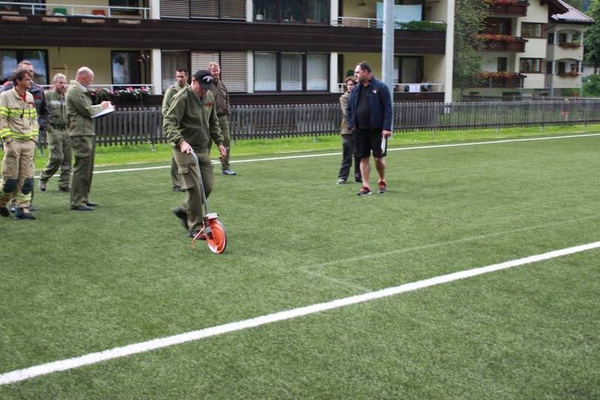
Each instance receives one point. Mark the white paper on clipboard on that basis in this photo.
(108, 110)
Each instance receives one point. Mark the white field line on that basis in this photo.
(434, 146)
(119, 352)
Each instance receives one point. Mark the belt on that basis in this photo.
(59, 126)
(221, 115)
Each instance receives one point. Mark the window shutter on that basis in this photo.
(175, 9)
(204, 9)
(233, 9)
(200, 60)
(234, 67)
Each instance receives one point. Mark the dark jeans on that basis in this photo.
(347, 155)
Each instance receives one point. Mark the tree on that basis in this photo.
(469, 20)
(591, 86)
(591, 39)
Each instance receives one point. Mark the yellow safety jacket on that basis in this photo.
(18, 118)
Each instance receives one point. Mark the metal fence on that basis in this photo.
(144, 124)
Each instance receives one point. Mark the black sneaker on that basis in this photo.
(4, 212)
(364, 191)
(198, 235)
(20, 213)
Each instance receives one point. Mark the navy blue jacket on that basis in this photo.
(380, 106)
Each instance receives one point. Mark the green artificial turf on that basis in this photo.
(74, 283)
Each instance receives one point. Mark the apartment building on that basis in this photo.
(532, 49)
(270, 51)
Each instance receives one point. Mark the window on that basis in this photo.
(317, 11)
(574, 66)
(234, 67)
(171, 62)
(409, 69)
(530, 65)
(292, 11)
(562, 38)
(290, 71)
(38, 58)
(531, 30)
(549, 67)
(213, 9)
(127, 67)
(502, 64)
(498, 26)
(124, 7)
(317, 71)
(265, 71)
(561, 68)
(551, 38)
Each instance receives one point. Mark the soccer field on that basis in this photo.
(116, 304)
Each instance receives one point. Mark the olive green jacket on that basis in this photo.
(192, 119)
(168, 96)
(219, 90)
(58, 110)
(80, 110)
(344, 104)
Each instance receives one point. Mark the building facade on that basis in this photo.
(270, 51)
(532, 49)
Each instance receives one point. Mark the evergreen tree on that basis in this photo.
(592, 36)
(469, 20)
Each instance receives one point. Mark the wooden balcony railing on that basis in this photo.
(493, 42)
(517, 9)
(512, 81)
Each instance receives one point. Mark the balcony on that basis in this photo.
(11, 8)
(502, 79)
(514, 8)
(502, 43)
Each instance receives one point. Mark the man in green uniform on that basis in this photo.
(219, 90)
(189, 124)
(59, 144)
(83, 137)
(181, 81)
(19, 131)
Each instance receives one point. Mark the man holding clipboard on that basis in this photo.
(369, 116)
(80, 112)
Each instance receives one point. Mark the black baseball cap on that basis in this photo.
(205, 78)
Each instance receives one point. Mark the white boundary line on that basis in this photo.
(434, 146)
(137, 348)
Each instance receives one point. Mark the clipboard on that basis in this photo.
(108, 110)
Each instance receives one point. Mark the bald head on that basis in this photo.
(84, 76)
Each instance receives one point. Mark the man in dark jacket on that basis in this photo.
(369, 117)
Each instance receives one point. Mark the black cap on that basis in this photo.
(205, 78)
